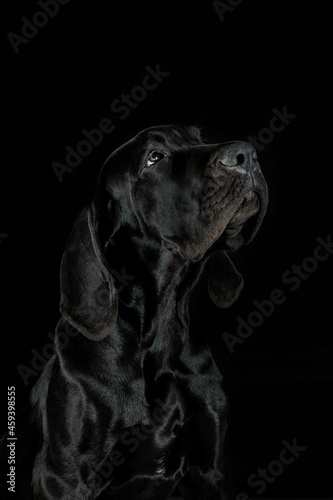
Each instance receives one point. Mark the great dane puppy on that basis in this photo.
(133, 405)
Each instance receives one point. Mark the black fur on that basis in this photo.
(134, 405)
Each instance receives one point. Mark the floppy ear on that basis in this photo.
(88, 296)
(225, 283)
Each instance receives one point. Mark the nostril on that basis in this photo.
(233, 160)
(240, 156)
(240, 159)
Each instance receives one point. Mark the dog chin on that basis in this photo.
(235, 236)
(241, 229)
(244, 224)
(231, 239)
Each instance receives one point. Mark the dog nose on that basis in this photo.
(240, 156)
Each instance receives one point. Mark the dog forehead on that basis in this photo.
(122, 164)
(170, 136)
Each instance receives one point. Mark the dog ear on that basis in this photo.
(88, 296)
(225, 283)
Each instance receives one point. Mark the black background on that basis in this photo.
(227, 76)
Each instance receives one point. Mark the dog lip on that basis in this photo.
(244, 221)
(247, 208)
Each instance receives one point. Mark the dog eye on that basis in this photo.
(154, 157)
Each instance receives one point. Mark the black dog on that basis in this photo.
(134, 405)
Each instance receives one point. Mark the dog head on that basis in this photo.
(169, 187)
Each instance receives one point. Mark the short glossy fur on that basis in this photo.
(134, 405)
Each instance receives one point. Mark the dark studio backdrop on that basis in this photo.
(239, 70)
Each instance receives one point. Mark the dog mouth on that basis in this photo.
(247, 209)
(244, 223)
(241, 226)
(229, 230)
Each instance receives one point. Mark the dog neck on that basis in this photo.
(156, 275)
(153, 311)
